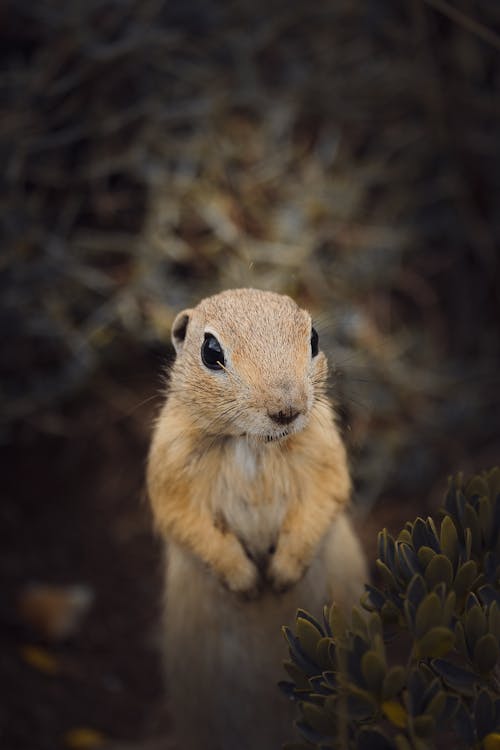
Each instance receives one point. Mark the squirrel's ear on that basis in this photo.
(179, 329)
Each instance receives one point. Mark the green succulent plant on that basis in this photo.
(419, 668)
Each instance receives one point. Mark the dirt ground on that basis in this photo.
(73, 512)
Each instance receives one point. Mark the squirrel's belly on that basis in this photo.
(255, 524)
(224, 657)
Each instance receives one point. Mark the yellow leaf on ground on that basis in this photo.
(54, 611)
(492, 741)
(40, 659)
(83, 737)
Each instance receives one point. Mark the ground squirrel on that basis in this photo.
(248, 482)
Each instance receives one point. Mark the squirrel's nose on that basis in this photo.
(286, 416)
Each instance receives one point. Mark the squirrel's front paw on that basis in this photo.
(243, 579)
(285, 571)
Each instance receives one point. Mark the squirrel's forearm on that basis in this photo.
(326, 486)
(197, 531)
(176, 515)
(306, 523)
(189, 524)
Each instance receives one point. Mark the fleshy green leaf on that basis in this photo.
(494, 482)
(402, 743)
(310, 734)
(389, 613)
(451, 706)
(297, 675)
(475, 626)
(404, 536)
(373, 739)
(374, 625)
(373, 598)
(437, 641)
(407, 560)
(466, 575)
(358, 624)
(449, 607)
(318, 720)
(416, 590)
(361, 705)
(488, 594)
(449, 540)
(423, 726)
(494, 619)
(373, 668)
(438, 571)
(460, 642)
(436, 706)
(338, 622)
(394, 682)
(324, 654)
(425, 555)
(486, 653)
(461, 680)
(485, 518)
(387, 575)
(428, 615)
(484, 714)
(419, 533)
(396, 713)
(464, 724)
(471, 521)
(477, 486)
(298, 654)
(309, 636)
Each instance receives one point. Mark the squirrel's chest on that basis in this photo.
(252, 493)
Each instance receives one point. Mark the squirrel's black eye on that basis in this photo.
(211, 353)
(314, 342)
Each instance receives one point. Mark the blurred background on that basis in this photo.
(153, 152)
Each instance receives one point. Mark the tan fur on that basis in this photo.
(251, 509)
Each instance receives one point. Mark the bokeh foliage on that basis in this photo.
(345, 153)
(421, 670)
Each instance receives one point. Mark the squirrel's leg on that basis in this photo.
(195, 529)
(307, 521)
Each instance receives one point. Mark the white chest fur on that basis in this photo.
(250, 504)
(245, 458)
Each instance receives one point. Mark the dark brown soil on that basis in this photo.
(73, 511)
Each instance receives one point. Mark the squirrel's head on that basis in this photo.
(248, 363)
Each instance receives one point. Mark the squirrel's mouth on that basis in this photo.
(280, 435)
(267, 438)
(277, 435)
(276, 438)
